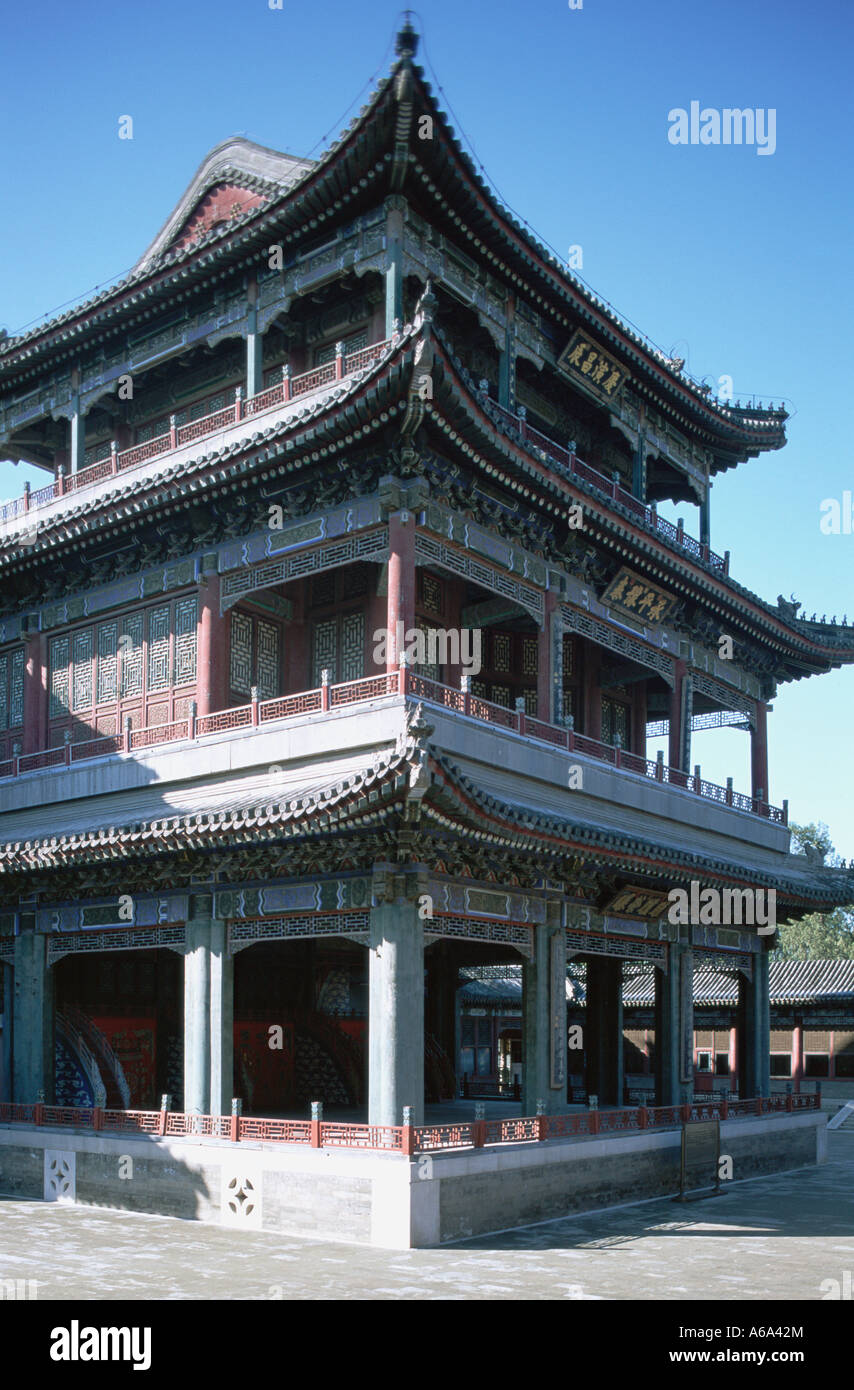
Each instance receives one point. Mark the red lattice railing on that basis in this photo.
(407, 1140)
(407, 682)
(119, 462)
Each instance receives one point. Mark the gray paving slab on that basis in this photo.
(785, 1237)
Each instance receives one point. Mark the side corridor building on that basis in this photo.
(253, 825)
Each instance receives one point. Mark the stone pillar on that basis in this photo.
(212, 652)
(759, 752)
(679, 750)
(754, 1030)
(394, 264)
(35, 693)
(396, 1013)
(603, 1040)
(674, 1027)
(400, 605)
(208, 1016)
(7, 1001)
(544, 1046)
(797, 1056)
(33, 1018)
(507, 358)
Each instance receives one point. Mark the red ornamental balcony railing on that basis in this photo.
(403, 1139)
(179, 435)
(362, 691)
(571, 466)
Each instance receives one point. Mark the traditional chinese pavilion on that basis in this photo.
(246, 846)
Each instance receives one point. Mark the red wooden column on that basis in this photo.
(212, 650)
(674, 751)
(759, 752)
(35, 693)
(400, 607)
(545, 661)
(592, 691)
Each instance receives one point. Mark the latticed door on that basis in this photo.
(338, 646)
(255, 656)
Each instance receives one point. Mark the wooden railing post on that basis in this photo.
(253, 696)
(114, 456)
(60, 481)
(465, 687)
(238, 404)
(401, 674)
(97, 1117)
(26, 497)
(67, 740)
(729, 791)
(173, 432)
(698, 781)
(38, 1109)
(478, 1129)
(339, 361)
(191, 719)
(165, 1102)
(407, 1138)
(659, 766)
(286, 383)
(542, 1122)
(316, 1122)
(324, 689)
(236, 1112)
(520, 713)
(126, 736)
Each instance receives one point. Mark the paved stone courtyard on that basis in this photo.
(769, 1238)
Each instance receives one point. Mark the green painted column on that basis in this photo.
(396, 1013)
(221, 1020)
(603, 1029)
(507, 359)
(33, 1019)
(7, 999)
(394, 264)
(705, 519)
(197, 1043)
(754, 1030)
(544, 1047)
(254, 356)
(77, 439)
(674, 1027)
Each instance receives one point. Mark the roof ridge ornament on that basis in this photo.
(406, 43)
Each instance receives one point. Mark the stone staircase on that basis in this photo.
(844, 1118)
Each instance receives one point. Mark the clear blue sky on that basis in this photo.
(739, 262)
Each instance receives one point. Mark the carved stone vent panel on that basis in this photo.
(240, 1203)
(60, 1175)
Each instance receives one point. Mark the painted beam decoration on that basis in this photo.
(638, 902)
(585, 360)
(638, 597)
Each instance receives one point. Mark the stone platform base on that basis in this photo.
(374, 1198)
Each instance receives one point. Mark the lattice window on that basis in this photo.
(427, 668)
(12, 689)
(267, 660)
(158, 648)
(131, 644)
(241, 653)
(352, 646)
(325, 650)
(108, 662)
(615, 722)
(431, 592)
(568, 657)
(500, 695)
(531, 702)
(81, 681)
(4, 692)
(500, 651)
(529, 656)
(59, 654)
(186, 622)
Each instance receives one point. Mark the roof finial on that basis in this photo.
(406, 44)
